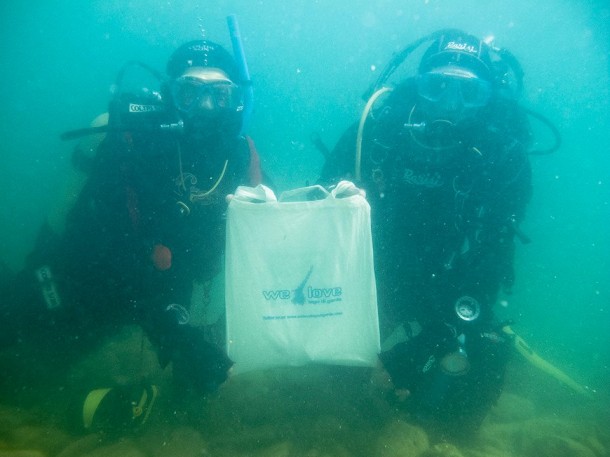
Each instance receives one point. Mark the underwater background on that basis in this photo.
(310, 62)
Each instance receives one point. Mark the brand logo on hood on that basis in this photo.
(453, 46)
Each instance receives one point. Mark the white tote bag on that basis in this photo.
(300, 285)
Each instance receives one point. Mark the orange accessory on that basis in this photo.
(162, 257)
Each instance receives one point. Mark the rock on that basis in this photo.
(442, 450)
(399, 439)
(498, 437)
(181, 441)
(553, 446)
(82, 446)
(12, 417)
(543, 437)
(283, 449)
(512, 408)
(487, 452)
(551, 437)
(21, 453)
(123, 448)
(334, 451)
(47, 439)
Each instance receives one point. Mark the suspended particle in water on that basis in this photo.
(201, 27)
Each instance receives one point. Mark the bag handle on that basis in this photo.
(346, 189)
(258, 194)
(263, 194)
(304, 194)
(343, 189)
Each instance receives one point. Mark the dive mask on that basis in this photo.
(205, 90)
(455, 86)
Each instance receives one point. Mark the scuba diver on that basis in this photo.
(148, 223)
(443, 158)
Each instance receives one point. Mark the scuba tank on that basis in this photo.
(140, 110)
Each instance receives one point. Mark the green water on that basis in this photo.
(310, 62)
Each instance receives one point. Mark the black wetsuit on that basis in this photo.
(443, 227)
(148, 222)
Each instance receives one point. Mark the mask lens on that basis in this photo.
(432, 86)
(191, 94)
(185, 95)
(224, 95)
(473, 92)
